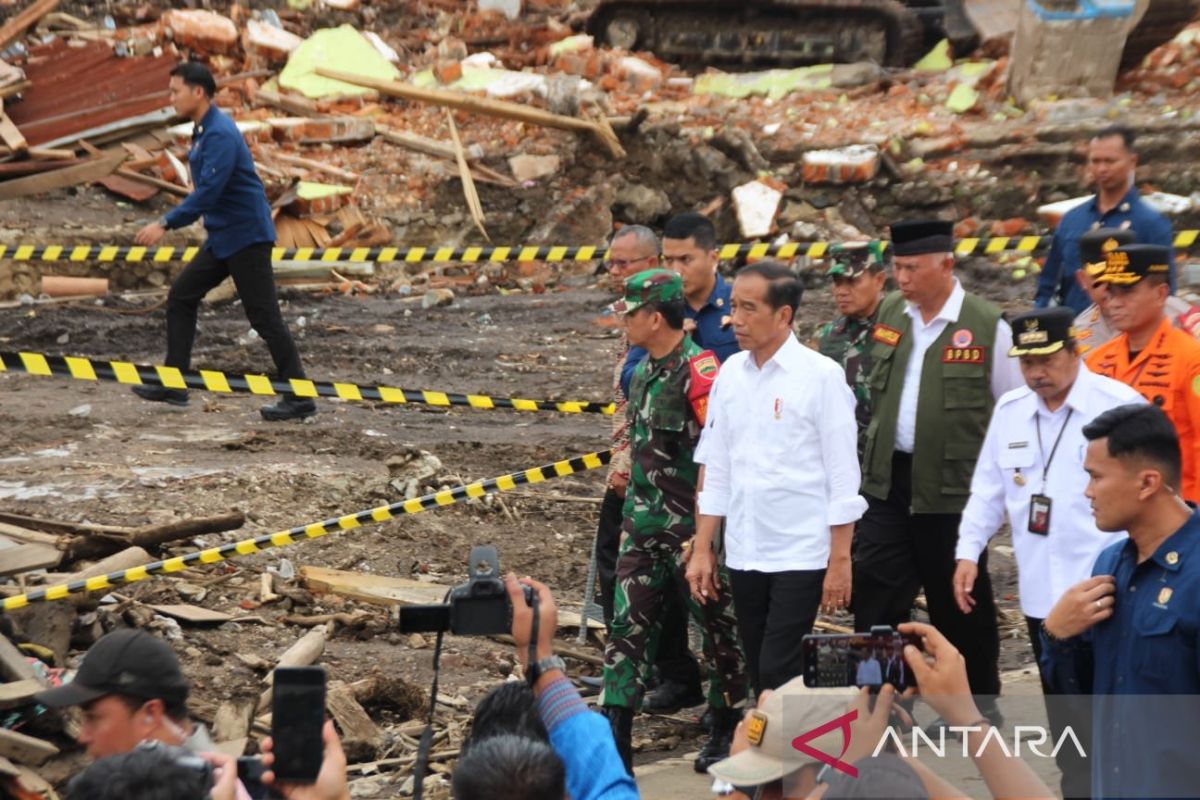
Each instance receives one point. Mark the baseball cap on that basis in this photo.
(789, 712)
(1042, 332)
(1130, 263)
(649, 286)
(126, 662)
(1094, 247)
(852, 259)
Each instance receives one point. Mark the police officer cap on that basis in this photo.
(1128, 264)
(917, 237)
(1094, 246)
(1042, 332)
(649, 286)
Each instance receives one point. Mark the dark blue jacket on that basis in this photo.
(1142, 668)
(1057, 281)
(226, 190)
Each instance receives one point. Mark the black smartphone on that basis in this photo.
(858, 659)
(297, 716)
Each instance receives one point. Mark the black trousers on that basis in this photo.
(250, 268)
(1063, 710)
(775, 610)
(674, 659)
(896, 553)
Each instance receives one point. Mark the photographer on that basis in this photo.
(580, 738)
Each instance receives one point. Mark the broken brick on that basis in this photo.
(197, 29)
(273, 44)
(302, 130)
(447, 71)
(854, 164)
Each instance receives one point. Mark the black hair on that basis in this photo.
(193, 73)
(691, 225)
(1127, 135)
(145, 773)
(673, 312)
(509, 767)
(1140, 431)
(176, 711)
(510, 708)
(784, 287)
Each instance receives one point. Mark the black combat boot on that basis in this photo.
(725, 721)
(671, 697)
(621, 721)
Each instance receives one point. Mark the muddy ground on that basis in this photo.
(79, 451)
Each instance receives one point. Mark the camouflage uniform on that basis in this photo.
(847, 340)
(659, 518)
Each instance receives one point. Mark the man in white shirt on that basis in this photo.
(1031, 467)
(779, 451)
(939, 365)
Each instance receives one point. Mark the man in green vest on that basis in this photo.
(939, 365)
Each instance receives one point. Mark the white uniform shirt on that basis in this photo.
(1046, 565)
(1006, 373)
(780, 451)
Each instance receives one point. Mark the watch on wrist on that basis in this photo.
(538, 668)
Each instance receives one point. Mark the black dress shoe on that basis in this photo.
(161, 394)
(289, 408)
(672, 696)
(716, 749)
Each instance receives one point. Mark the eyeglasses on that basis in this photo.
(620, 264)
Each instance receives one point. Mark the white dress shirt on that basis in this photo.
(780, 452)
(1046, 565)
(1006, 373)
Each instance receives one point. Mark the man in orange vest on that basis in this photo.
(1153, 356)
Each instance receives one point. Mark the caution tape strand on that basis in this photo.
(495, 253)
(314, 530)
(86, 369)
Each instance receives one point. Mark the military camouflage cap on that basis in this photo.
(1094, 247)
(650, 286)
(855, 258)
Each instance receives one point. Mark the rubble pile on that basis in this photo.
(345, 108)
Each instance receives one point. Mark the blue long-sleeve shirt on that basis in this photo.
(226, 190)
(1057, 281)
(1142, 668)
(584, 742)
(712, 330)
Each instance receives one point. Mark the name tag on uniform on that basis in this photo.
(962, 355)
(885, 335)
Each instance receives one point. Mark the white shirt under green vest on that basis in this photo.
(1006, 372)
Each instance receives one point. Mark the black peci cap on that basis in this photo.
(917, 237)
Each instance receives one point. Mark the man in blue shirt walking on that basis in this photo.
(1116, 204)
(231, 198)
(1130, 635)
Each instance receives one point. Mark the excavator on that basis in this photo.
(786, 33)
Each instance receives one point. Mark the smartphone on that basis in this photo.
(297, 716)
(858, 659)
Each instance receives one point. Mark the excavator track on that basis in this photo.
(774, 33)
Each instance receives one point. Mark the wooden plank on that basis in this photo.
(157, 183)
(10, 134)
(24, 749)
(16, 26)
(193, 614)
(60, 179)
(132, 190)
(25, 557)
(18, 693)
(13, 665)
(485, 105)
(358, 731)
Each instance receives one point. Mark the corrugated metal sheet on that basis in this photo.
(79, 87)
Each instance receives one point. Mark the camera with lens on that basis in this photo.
(479, 607)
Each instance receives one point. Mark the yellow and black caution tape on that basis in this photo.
(501, 253)
(315, 530)
(86, 369)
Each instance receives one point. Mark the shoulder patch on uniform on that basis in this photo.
(962, 355)
(885, 335)
(705, 364)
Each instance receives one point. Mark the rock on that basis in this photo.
(584, 215)
(531, 168)
(437, 298)
(509, 8)
(640, 75)
(756, 204)
(190, 592)
(417, 642)
(845, 76)
(81, 411)
(413, 465)
(268, 41)
(200, 30)
(640, 204)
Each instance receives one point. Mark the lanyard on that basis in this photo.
(1037, 421)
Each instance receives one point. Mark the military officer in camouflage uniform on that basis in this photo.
(667, 400)
(858, 278)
